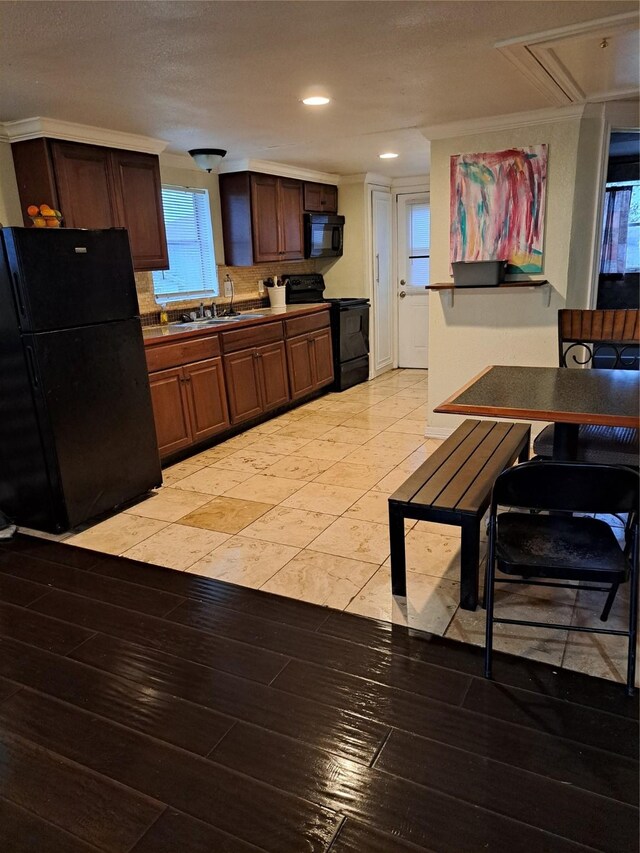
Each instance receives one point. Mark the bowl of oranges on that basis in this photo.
(44, 216)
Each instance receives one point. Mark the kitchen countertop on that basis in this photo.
(153, 334)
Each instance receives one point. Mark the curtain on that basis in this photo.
(615, 226)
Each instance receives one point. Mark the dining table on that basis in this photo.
(567, 397)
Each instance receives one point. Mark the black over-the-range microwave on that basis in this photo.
(323, 234)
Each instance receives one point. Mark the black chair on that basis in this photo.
(598, 339)
(552, 545)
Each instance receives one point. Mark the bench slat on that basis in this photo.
(449, 470)
(505, 455)
(406, 492)
(480, 467)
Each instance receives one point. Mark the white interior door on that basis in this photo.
(414, 228)
(383, 291)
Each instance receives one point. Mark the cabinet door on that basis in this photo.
(301, 375)
(139, 197)
(170, 410)
(241, 375)
(265, 219)
(272, 365)
(85, 185)
(290, 211)
(322, 357)
(207, 398)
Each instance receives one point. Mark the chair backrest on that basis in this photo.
(599, 338)
(569, 486)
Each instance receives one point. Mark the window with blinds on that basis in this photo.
(192, 265)
(418, 243)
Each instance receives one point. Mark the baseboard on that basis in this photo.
(439, 432)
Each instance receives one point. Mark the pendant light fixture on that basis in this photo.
(208, 159)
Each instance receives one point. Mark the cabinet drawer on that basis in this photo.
(173, 355)
(309, 323)
(238, 339)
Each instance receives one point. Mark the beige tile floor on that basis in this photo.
(298, 506)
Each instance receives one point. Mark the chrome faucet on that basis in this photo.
(201, 312)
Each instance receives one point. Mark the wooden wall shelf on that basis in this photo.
(451, 287)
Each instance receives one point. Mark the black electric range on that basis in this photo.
(349, 327)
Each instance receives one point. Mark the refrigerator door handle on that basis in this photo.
(32, 367)
(17, 292)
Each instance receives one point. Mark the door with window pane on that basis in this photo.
(414, 242)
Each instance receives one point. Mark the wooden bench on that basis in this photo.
(454, 487)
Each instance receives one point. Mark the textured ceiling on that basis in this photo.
(230, 74)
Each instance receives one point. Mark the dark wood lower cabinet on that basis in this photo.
(322, 357)
(243, 385)
(170, 410)
(201, 388)
(207, 399)
(310, 362)
(272, 373)
(189, 404)
(256, 380)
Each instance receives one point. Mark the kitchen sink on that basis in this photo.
(212, 321)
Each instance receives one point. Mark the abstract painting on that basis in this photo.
(497, 207)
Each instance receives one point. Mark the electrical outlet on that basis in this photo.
(260, 285)
(227, 289)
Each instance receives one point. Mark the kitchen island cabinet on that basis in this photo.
(261, 218)
(97, 187)
(207, 383)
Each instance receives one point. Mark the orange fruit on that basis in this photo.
(39, 222)
(33, 210)
(45, 210)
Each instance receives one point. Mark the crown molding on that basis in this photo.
(413, 182)
(535, 57)
(268, 167)
(549, 115)
(38, 126)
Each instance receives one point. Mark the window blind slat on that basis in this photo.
(192, 265)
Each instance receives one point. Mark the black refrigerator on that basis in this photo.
(77, 436)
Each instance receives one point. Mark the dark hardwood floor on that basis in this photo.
(146, 710)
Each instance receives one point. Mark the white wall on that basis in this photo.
(348, 275)
(512, 326)
(10, 213)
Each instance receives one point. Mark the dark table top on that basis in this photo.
(558, 394)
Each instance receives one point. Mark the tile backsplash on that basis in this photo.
(245, 280)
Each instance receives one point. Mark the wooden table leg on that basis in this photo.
(469, 559)
(398, 559)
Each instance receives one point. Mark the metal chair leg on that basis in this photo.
(488, 597)
(633, 617)
(609, 602)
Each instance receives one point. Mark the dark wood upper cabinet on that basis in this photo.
(320, 198)
(139, 197)
(97, 187)
(261, 218)
(86, 191)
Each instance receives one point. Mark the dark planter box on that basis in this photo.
(478, 273)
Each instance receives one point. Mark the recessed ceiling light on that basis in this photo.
(316, 101)
(389, 155)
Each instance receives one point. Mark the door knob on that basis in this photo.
(402, 294)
